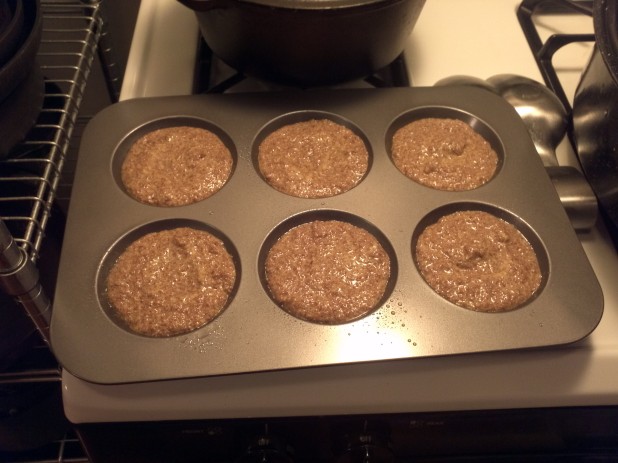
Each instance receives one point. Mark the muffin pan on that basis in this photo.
(254, 334)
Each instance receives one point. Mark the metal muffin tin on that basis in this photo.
(253, 333)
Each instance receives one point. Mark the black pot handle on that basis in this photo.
(204, 5)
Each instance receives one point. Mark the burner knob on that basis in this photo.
(266, 449)
(367, 445)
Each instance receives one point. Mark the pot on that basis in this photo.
(306, 42)
(595, 113)
(21, 80)
(17, 68)
(11, 26)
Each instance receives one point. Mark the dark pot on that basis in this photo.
(595, 113)
(18, 67)
(306, 42)
(11, 26)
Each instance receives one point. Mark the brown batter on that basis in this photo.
(171, 282)
(327, 271)
(313, 159)
(445, 154)
(478, 261)
(176, 166)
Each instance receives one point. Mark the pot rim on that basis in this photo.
(204, 5)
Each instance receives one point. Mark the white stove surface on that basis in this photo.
(479, 38)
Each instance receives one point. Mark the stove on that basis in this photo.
(496, 403)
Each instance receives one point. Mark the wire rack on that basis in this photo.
(73, 35)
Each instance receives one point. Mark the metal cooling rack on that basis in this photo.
(73, 35)
(29, 177)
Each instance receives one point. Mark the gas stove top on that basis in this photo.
(475, 38)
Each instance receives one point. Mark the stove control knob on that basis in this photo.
(266, 449)
(368, 445)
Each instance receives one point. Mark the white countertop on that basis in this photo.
(478, 38)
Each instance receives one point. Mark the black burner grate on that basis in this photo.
(213, 76)
(544, 51)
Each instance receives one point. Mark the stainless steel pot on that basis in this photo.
(595, 113)
(306, 42)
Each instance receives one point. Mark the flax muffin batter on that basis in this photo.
(444, 154)
(176, 166)
(313, 159)
(327, 271)
(478, 261)
(171, 282)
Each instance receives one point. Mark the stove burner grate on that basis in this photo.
(208, 67)
(544, 51)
